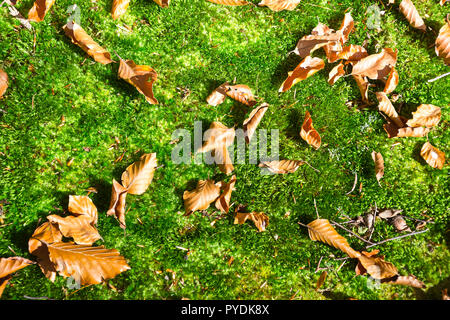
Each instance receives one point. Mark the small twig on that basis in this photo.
(396, 238)
(373, 222)
(439, 77)
(318, 265)
(351, 232)
(315, 206)
(37, 298)
(354, 183)
(312, 167)
(342, 264)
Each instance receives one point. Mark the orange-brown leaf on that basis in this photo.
(138, 176)
(3, 82)
(336, 73)
(352, 53)
(117, 204)
(46, 232)
(320, 37)
(363, 86)
(410, 12)
(346, 27)
(163, 3)
(216, 136)
(379, 164)
(218, 95)
(394, 131)
(223, 202)
(321, 280)
(12, 264)
(282, 166)
(410, 281)
(251, 123)
(391, 82)
(241, 93)
(83, 205)
(222, 159)
(309, 134)
(385, 105)
(376, 66)
(443, 43)
(138, 76)
(278, 5)
(39, 10)
(86, 264)
(119, 7)
(322, 230)
(432, 155)
(426, 115)
(377, 267)
(79, 228)
(201, 197)
(260, 219)
(305, 69)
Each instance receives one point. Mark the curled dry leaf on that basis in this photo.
(410, 281)
(411, 14)
(391, 82)
(39, 10)
(222, 159)
(216, 136)
(433, 156)
(363, 86)
(321, 280)
(201, 197)
(117, 204)
(393, 131)
(385, 105)
(309, 134)
(83, 205)
(163, 3)
(442, 2)
(119, 7)
(376, 66)
(377, 267)
(282, 166)
(8, 266)
(138, 76)
(305, 69)
(138, 176)
(389, 213)
(399, 224)
(278, 5)
(443, 43)
(230, 2)
(322, 230)
(3, 82)
(379, 164)
(352, 53)
(241, 93)
(320, 37)
(426, 115)
(445, 295)
(251, 123)
(336, 73)
(86, 264)
(223, 202)
(79, 228)
(260, 220)
(218, 95)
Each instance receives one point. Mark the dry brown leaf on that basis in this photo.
(410, 281)
(336, 73)
(379, 164)
(375, 266)
(346, 27)
(443, 43)
(309, 134)
(385, 105)
(442, 2)
(426, 115)
(305, 69)
(319, 37)
(86, 264)
(445, 295)
(322, 230)
(83, 205)
(278, 5)
(3, 82)
(321, 280)
(163, 3)
(117, 204)
(216, 136)
(138, 176)
(201, 197)
(260, 220)
(251, 123)
(282, 166)
(222, 159)
(399, 224)
(138, 76)
(218, 95)
(12, 264)
(363, 86)
(241, 93)
(376, 66)
(79, 228)
(39, 10)
(230, 2)
(223, 202)
(394, 131)
(119, 7)
(391, 82)
(411, 14)
(433, 156)
(352, 53)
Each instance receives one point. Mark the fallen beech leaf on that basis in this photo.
(39, 10)
(377, 267)
(321, 280)
(442, 2)
(230, 2)
(163, 3)
(399, 224)
(391, 82)
(218, 95)
(223, 202)
(3, 82)
(411, 14)
(394, 131)
(251, 123)
(319, 37)
(389, 213)
(346, 27)
(445, 295)
(443, 43)
(336, 73)
(385, 105)
(117, 204)
(376, 66)
(223, 160)
(363, 86)
(282, 166)
(426, 115)
(83, 205)
(322, 230)
(241, 93)
(79, 228)
(305, 69)
(410, 281)
(138, 76)
(433, 156)
(86, 264)
(201, 197)
(11, 265)
(119, 7)
(216, 136)
(379, 164)
(138, 176)
(278, 5)
(260, 220)
(352, 53)
(309, 134)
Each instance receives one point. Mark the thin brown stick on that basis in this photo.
(373, 223)
(312, 167)
(354, 183)
(315, 206)
(396, 238)
(351, 232)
